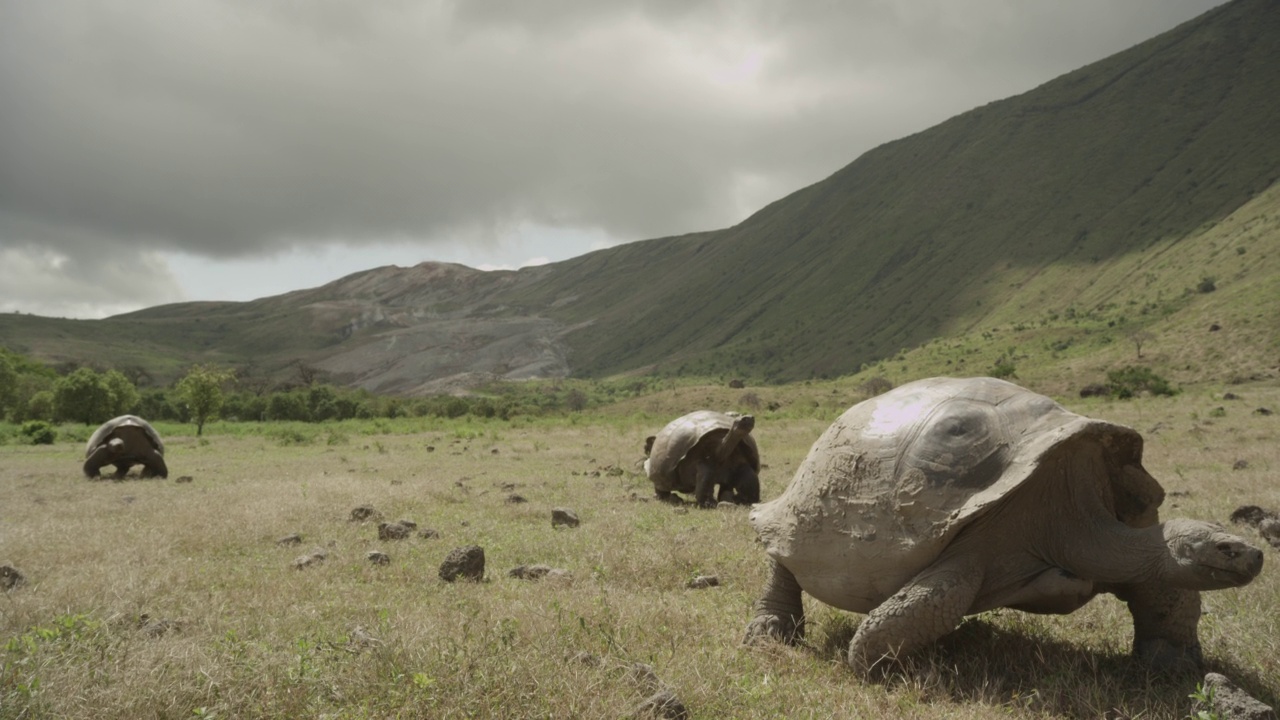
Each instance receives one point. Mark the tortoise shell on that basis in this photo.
(679, 437)
(107, 430)
(896, 477)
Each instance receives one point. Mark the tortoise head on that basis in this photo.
(1204, 556)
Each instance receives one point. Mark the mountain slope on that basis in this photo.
(1070, 217)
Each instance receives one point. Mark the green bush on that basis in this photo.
(39, 432)
(1132, 380)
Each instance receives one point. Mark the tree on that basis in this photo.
(124, 396)
(82, 396)
(201, 392)
(1140, 338)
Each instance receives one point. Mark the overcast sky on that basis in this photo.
(154, 151)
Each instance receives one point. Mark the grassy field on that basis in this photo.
(167, 599)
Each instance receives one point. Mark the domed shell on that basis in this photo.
(895, 477)
(674, 442)
(108, 428)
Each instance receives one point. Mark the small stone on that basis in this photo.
(702, 582)
(564, 516)
(1230, 702)
(393, 531)
(1269, 529)
(515, 499)
(361, 638)
(315, 557)
(183, 479)
(466, 562)
(294, 539)
(1262, 411)
(409, 524)
(725, 505)
(586, 658)
(429, 533)
(363, 513)
(377, 557)
(663, 704)
(1250, 515)
(643, 675)
(1240, 465)
(529, 572)
(157, 627)
(10, 577)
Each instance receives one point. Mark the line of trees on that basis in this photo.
(31, 391)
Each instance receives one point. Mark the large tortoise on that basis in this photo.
(125, 441)
(696, 452)
(947, 497)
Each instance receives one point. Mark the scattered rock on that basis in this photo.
(703, 582)
(493, 451)
(408, 523)
(681, 511)
(466, 562)
(365, 512)
(644, 676)
(1230, 396)
(725, 505)
(431, 448)
(377, 557)
(1262, 411)
(515, 499)
(393, 531)
(663, 704)
(1240, 464)
(294, 539)
(1250, 515)
(1269, 529)
(1229, 702)
(158, 626)
(429, 534)
(737, 384)
(529, 572)
(1094, 390)
(10, 577)
(315, 557)
(507, 487)
(1215, 327)
(564, 516)
(183, 479)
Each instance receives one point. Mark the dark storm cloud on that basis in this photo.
(230, 129)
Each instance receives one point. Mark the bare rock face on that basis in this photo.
(466, 562)
(564, 517)
(393, 531)
(365, 512)
(10, 578)
(1228, 702)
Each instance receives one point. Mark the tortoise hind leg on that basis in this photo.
(780, 612)
(154, 465)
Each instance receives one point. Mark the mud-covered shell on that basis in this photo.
(674, 442)
(895, 477)
(107, 430)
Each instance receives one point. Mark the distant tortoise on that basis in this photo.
(947, 497)
(124, 442)
(697, 452)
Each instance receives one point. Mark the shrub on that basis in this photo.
(876, 386)
(1131, 380)
(1207, 285)
(39, 432)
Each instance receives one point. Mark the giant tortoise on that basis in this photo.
(947, 497)
(125, 441)
(696, 452)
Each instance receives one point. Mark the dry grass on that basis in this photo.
(250, 636)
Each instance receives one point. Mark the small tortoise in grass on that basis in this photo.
(947, 497)
(697, 452)
(124, 442)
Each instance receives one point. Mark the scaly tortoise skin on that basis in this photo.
(697, 452)
(125, 441)
(947, 497)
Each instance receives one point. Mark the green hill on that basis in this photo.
(1129, 205)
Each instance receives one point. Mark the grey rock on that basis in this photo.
(315, 557)
(365, 512)
(377, 557)
(663, 704)
(564, 517)
(466, 562)
(10, 577)
(294, 539)
(393, 531)
(1229, 702)
(703, 582)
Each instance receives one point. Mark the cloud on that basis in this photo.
(234, 129)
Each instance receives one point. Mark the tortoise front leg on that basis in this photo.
(93, 464)
(705, 485)
(154, 464)
(925, 609)
(1165, 620)
(780, 612)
